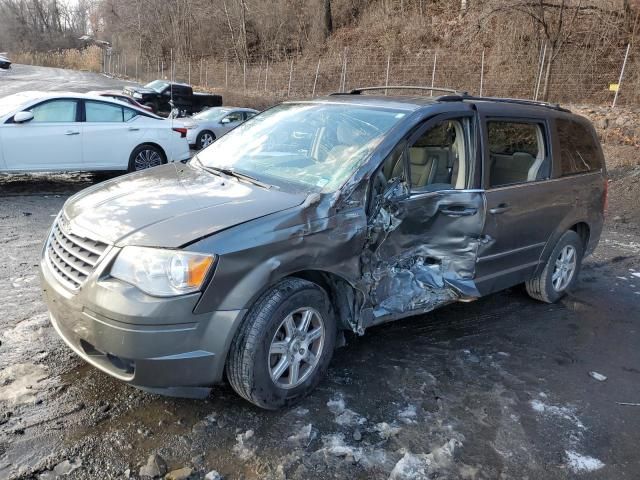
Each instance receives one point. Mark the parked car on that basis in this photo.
(5, 63)
(118, 95)
(159, 94)
(204, 127)
(317, 217)
(54, 131)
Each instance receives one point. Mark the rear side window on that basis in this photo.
(107, 113)
(579, 150)
(516, 153)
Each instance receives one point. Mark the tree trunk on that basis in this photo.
(327, 21)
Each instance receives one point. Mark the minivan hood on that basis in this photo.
(170, 206)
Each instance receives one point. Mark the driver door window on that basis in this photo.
(55, 111)
(436, 160)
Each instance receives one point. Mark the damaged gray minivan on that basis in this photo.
(313, 218)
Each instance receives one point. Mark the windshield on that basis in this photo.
(157, 85)
(316, 146)
(12, 102)
(212, 114)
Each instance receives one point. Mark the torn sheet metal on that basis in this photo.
(419, 254)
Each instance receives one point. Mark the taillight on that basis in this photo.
(181, 131)
(605, 203)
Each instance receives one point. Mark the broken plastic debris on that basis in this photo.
(597, 376)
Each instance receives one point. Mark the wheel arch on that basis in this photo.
(581, 227)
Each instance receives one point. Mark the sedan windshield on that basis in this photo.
(314, 146)
(157, 85)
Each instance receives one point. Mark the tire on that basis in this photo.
(549, 285)
(146, 156)
(205, 135)
(251, 366)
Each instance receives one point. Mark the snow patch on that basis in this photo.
(343, 415)
(386, 431)
(419, 466)
(302, 436)
(408, 415)
(582, 463)
(20, 381)
(566, 413)
(241, 449)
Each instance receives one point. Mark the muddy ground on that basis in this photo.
(497, 388)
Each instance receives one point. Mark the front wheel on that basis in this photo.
(560, 273)
(146, 156)
(284, 346)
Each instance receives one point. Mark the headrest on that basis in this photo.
(418, 156)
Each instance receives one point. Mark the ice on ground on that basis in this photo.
(18, 382)
(302, 436)
(240, 448)
(408, 414)
(343, 415)
(336, 404)
(566, 413)
(386, 431)
(421, 466)
(334, 444)
(581, 463)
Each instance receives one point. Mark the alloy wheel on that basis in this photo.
(296, 348)
(564, 268)
(147, 158)
(205, 140)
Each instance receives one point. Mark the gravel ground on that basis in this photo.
(497, 388)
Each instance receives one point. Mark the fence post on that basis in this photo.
(315, 80)
(124, 63)
(386, 83)
(259, 74)
(136, 67)
(344, 71)
(244, 75)
(189, 67)
(206, 75)
(266, 74)
(544, 55)
(482, 73)
(226, 73)
(290, 77)
(624, 64)
(433, 73)
(200, 72)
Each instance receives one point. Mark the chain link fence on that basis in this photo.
(583, 77)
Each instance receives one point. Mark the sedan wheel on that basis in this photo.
(565, 266)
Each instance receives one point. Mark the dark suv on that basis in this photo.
(316, 217)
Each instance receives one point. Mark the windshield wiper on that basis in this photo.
(234, 173)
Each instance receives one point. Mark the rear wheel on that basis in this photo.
(560, 273)
(284, 345)
(146, 156)
(205, 138)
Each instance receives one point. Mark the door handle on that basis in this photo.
(458, 211)
(503, 207)
(133, 129)
(72, 132)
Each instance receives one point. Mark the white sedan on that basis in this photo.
(54, 131)
(204, 127)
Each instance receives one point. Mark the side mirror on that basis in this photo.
(225, 120)
(23, 117)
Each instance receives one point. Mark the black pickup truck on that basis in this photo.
(159, 94)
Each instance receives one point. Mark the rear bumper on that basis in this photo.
(143, 341)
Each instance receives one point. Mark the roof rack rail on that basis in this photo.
(519, 101)
(358, 91)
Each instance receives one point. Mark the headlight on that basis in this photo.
(161, 272)
(137, 95)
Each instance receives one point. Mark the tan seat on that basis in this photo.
(421, 165)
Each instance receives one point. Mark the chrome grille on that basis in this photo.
(71, 257)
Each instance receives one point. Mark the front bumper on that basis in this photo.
(144, 341)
